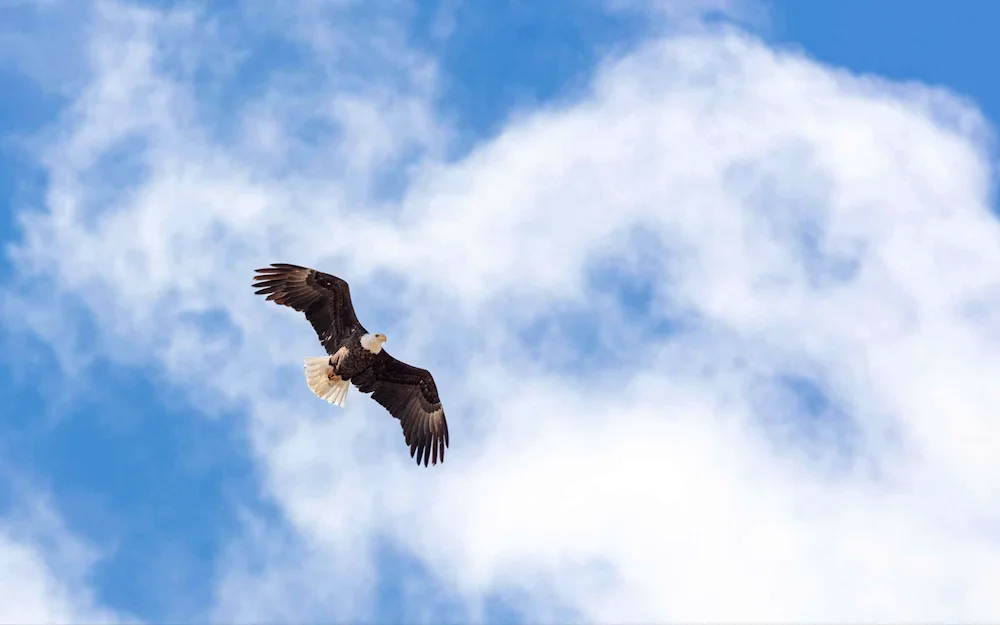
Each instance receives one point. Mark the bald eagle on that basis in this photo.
(355, 355)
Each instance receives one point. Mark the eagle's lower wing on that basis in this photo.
(410, 395)
(325, 299)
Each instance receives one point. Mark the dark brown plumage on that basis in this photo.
(408, 393)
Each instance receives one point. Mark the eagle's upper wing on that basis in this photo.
(410, 395)
(325, 299)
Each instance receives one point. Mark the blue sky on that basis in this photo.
(158, 474)
(900, 40)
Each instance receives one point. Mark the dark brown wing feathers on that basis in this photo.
(325, 299)
(410, 395)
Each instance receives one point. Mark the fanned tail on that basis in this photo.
(323, 382)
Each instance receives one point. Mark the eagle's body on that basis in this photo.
(355, 356)
(356, 353)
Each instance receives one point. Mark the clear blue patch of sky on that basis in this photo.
(951, 44)
(503, 58)
(138, 472)
(134, 466)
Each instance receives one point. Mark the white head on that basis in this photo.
(373, 342)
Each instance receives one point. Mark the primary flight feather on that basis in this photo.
(355, 356)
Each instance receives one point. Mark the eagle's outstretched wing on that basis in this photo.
(410, 395)
(325, 299)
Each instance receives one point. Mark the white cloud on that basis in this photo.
(791, 219)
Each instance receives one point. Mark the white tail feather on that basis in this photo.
(318, 378)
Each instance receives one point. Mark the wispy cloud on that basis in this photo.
(44, 568)
(796, 423)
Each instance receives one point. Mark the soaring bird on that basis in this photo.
(355, 356)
